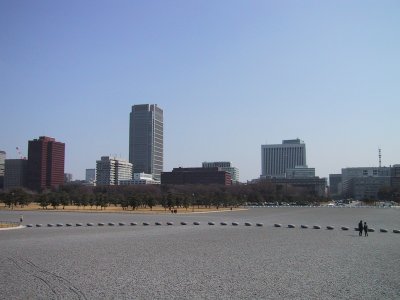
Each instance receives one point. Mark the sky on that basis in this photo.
(230, 76)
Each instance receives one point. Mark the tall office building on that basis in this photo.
(276, 159)
(110, 171)
(146, 139)
(46, 158)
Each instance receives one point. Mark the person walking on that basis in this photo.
(360, 228)
(365, 229)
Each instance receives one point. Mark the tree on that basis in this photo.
(186, 202)
(44, 201)
(133, 201)
(150, 201)
(54, 199)
(64, 199)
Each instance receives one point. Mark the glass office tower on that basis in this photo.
(146, 139)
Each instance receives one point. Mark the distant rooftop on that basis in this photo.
(295, 141)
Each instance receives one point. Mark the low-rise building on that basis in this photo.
(140, 178)
(224, 166)
(300, 172)
(363, 183)
(395, 176)
(180, 176)
(314, 185)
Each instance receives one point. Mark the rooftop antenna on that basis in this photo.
(380, 158)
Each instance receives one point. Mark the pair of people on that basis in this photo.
(362, 228)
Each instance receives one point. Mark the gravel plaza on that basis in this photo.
(202, 261)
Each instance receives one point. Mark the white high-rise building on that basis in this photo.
(277, 158)
(110, 170)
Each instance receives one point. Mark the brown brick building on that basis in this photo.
(46, 158)
(181, 176)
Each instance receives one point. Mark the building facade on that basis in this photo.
(68, 177)
(16, 172)
(46, 159)
(277, 158)
(313, 185)
(300, 172)
(335, 184)
(395, 176)
(363, 183)
(110, 171)
(2, 162)
(146, 139)
(90, 175)
(224, 166)
(140, 178)
(181, 176)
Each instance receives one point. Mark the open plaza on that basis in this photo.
(109, 257)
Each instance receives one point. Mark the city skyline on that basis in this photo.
(230, 77)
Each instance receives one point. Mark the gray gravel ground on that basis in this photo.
(202, 262)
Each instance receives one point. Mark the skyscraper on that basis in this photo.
(276, 159)
(46, 158)
(146, 139)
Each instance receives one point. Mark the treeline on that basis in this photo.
(185, 196)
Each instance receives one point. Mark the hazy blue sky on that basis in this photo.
(229, 75)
